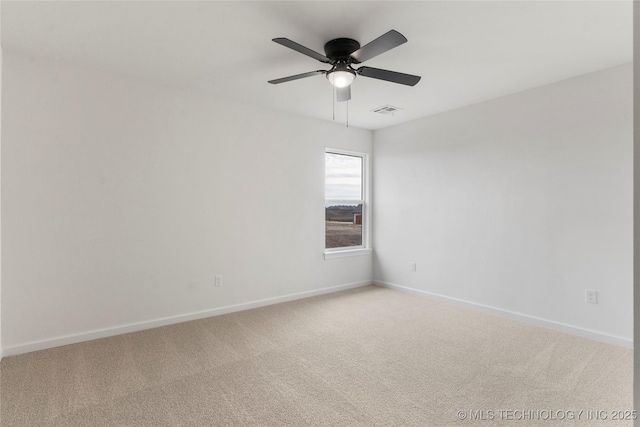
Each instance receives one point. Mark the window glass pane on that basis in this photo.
(343, 177)
(343, 225)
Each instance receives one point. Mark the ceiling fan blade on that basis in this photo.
(299, 48)
(343, 93)
(390, 76)
(380, 45)
(296, 77)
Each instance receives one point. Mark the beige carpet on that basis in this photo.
(366, 357)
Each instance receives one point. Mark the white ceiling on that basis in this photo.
(465, 51)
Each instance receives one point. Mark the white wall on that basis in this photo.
(122, 200)
(636, 208)
(1, 352)
(518, 204)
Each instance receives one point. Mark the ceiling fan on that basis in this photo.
(342, 53)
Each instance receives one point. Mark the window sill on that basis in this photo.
(347, 253)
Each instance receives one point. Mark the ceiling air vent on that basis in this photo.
(387, 110)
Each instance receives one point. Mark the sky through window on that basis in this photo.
(343, 177)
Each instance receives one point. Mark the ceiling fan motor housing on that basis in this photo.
(340, 49)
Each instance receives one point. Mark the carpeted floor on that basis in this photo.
(365, 357)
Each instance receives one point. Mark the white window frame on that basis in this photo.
(365, 248)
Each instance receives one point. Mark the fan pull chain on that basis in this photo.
(334, 103)
(347, 113)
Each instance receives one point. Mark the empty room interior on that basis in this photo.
(316, 213)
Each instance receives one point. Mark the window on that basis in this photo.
(345, 201)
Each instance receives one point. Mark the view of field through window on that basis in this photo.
(343, 200)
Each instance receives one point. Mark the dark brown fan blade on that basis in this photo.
(390, 76)
(380, 45)
(296, 77)
(343, 93)
(299, 48)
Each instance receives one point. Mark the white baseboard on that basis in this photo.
(140, 326)
(549, 324)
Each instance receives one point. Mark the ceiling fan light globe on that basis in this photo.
(341, 79)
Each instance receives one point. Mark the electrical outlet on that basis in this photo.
(591, 296)
(412, 266)
(218, 280)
